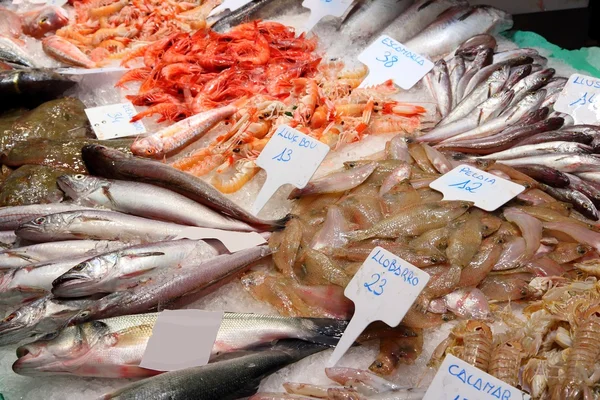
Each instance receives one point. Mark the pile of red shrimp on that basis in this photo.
(185, 74)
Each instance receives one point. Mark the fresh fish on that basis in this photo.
(484, 73)
(457, 69)
(472, 46)
(331, 235)
(557, 136)
(579, 233)
(121, 269)
(132, 332)
(485, 112)
(416, 18)
(10, 23)
(398, 175)
(439, 81)
(516, 74)
(439, 161)
(482, 60)
(563, 162)
(545, 174)
(228, 379)
(539, 149)
(456, 25)
(510, 116)
(531, 83)
(469, 303)
(47, 19)
(40, 317)
(579, 201)
(24, 284)
(242, 14)
(397, 149)
(186, 286)
(52, 251)
(588, 189)
(509, 287)
(491, 87)
(513, 254)
(113, 164)
(516, 53)
(464, 241)
(145, 200)
(337, 181)
(12, 217)
(66, 52)
(413, 220)
(505, 139)
(14, 54)
(174, 137)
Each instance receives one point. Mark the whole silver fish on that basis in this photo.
(12, 53)
(531, 102)
(118, 270)
(227, 379)
(472, 46)
(481, 75)
(482, 59)
(540, 149)
(578, 200)
(145, 200)
(439, 81)
(188, 284)
(417, 17)
(104, 357)
(45, 252)
(224, 21)
(41, 316)
(551, 96)
(336, 181)
(12, 217)
(590, 190)
(493, 85)
(557, 81)
(20, 285)
(531, 83)
(456, 25)
(487, 110)
(516, 53)
(456, 68)
(516, 74)
(577, 163)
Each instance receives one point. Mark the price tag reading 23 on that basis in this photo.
(289, 157)
(383, 289)
(467, 183)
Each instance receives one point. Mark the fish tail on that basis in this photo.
(325, 331)
(279, 224)
(356, 236)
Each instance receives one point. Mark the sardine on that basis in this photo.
(539, 149)
(189, 284)
(145, 200)
(456, 25)
(417, 17)
(40, 317)
(336, 181)
(472, 46)
(545, 174)
(121, 359)
(12, 53)
(12, 217)
(52, 251)
(113, 164)
(121, 269)
(413, 220)
(228, 379)
(531, 83)
(64, 51)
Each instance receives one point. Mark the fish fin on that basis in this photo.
(425, 5)
(148, 254)
(136, 273)
(21, 256)
(132, 336)
(106, 191)
(468, 13)
(325, 331)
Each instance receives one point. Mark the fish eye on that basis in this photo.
(39, 221)
(10, 317)
(79, 177)
(79, 267)
(43, 20)
(84, 314)
(150, 151)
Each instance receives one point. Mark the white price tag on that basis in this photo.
(322, 8)
(230, 5)
(58, 3)
(487, 191)
(389, 59)
(234, 241)
(383, 289)
(89, 71)
(112, 121)
(458, 380)
(289, 157)
(580, 98)
(181, 339)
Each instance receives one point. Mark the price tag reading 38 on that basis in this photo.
(383, 289)
(580, 98)
(467, 183)
(387, 58)
(289, 157)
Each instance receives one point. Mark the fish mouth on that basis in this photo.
(71, 285)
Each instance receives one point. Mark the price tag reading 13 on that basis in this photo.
(383, 289)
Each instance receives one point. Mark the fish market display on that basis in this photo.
(97, 237)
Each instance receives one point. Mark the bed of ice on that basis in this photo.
(96, 90)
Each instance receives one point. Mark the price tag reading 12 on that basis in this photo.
(580, 98)
(458, 380)
(383, 289)
(289, 157)
(467, 183)
(389, 59)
